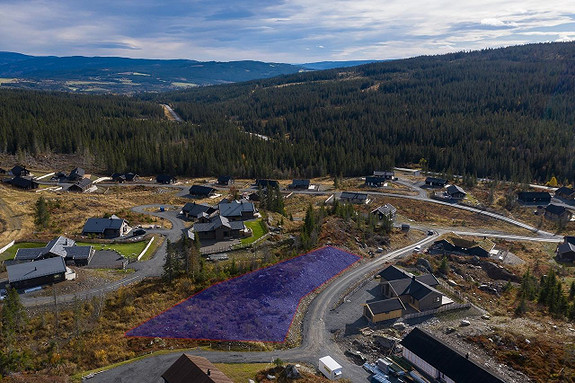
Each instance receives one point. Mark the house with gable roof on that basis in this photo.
(112, 227)
(237, 210)
(58, 247)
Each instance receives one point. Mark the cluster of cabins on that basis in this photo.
(21, 178)
(403, 293)
(39, 266)
(219, 222)
(451, 192)
(550, 211)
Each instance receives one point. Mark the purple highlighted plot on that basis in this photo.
(258, 306)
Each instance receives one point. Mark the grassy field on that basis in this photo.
(241, 372)
(158, 240)
(128, 250)
(258, 230)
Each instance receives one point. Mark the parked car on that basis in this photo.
(139, 232)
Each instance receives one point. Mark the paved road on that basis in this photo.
(175, 116)
(317, 340)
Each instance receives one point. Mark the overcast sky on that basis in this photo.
(293, 31)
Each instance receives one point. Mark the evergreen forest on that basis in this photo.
(499, 113)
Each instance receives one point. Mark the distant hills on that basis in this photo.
(505, 114)
(126, 76)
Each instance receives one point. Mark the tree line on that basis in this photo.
(501, 113)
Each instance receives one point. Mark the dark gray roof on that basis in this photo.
(79, 252)
(98, 225)
(223, 180)
(435, 180)
(82, 185)
(76, 173)
(539, 196)
(566, 248)
(196, 209)
(415, 289)
(564, 190)
(60, 246)
(428, 279)
(235, 208)
(217, 222)
(453, 189)
(29, 254)
(300, 183)
(351, 196)
(266, 183)
(391, 273)
(555, 209)
(375, 179)
(30, 270)
(445, 359)
(23, 182)
(200, 190)
(386, 209)
(19, 171)
(57, 245)
(165, 178)
(386, 306)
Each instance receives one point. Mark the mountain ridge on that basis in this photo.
(103, 74)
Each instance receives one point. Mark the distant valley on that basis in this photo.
(127, 76)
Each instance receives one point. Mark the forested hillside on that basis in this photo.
(505, 113)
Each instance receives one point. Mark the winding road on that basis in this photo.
(317, 340)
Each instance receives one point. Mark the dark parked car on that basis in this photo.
(139, 232)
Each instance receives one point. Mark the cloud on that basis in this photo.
(277, 30)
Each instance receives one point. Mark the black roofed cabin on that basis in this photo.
(225, 181)
(19, 171)
(165, 179)
(201, 191)
(387, 174)
(76, 174)
(351, 197)
(456, 192)
(435, 182)
(441, 362)
(26, 183)
(300, 184)
(375, 181)
(536, 198)
(37, 273)
(81, 186)
(565, 193)
(267, 183)
(111, 227)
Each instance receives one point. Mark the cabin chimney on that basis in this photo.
(209, 372)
